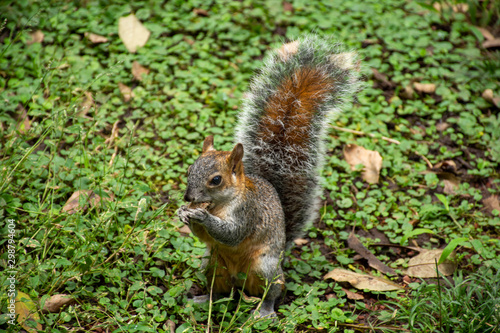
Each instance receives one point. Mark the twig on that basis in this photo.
(429, 164)
(363, 133)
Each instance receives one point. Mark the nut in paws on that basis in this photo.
(186, 214)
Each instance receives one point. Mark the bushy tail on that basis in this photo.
(285, 118)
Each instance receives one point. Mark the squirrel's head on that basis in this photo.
(216, 176)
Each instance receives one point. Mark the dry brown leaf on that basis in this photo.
(450, 185)
(132, 32)
(382, 79)
(489, 44)
(490, 97)
(447, 171)
(56, 302)
(36, 37)
(423, 265)
(372, 161)
(95, 38)
(408, 92)
(185, 230)
(345, 61)
(26, 311)
(460, 8)
(190, 41)
(24, 124)
(362, 281)
(288, 49)
(442, 126)
(301, 241)
(354, 243)
(491, 203)
(200, 12)
(86, 105)
(138, 70)
(82, 198)
(427, 88)
(352, 295)
(126, 91)
(486, 34)
(287, 7)
(170, 325)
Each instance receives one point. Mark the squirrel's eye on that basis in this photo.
(216, 180)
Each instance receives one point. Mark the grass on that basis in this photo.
(65, 127)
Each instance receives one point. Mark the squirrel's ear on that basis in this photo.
(235, 159)
(208, 144)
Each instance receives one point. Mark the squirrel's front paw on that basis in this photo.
(185, 214)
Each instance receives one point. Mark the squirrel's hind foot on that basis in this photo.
(266, 310)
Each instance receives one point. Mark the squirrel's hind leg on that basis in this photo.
(271, 271)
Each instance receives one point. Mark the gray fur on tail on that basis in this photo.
(285, 143)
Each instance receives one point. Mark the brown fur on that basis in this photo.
(291, 108)
(229, 261)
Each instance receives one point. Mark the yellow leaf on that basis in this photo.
(26, 310)
(132, 33)
(371, 160)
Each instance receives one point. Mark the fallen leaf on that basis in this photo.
(352, 295)
(114, 134)
(288, 49)
(427, 88)
(30, 242)
(489, 44)
(94, 38)
(185, 230)
(491, 203)
(287, 7)
(56, 302)
(126, 91)
(36, 37)
(490, 97)
(486, 34)
(441, 126)
(382, 79)
(354, 243)
(345, 61)
(82, 198)
(372, 161)
(362, 281)
(200, 12)
(301, 241)
(423, 265)
(86, 105)
(170, 325)
(138, 70)
(190, 41)
(408, 92)
(24, 124)
(132, 32)
(447, 171)
(27, 313)
(460, 8)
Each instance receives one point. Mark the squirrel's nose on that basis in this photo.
(188, 196)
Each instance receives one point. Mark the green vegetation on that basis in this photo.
(68, 124)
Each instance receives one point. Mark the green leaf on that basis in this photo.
(444, 200)
(415, 232)
(450, 248)
(27, 311)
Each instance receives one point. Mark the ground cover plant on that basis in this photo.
(96, 140)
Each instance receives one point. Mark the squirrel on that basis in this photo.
(249, 204)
